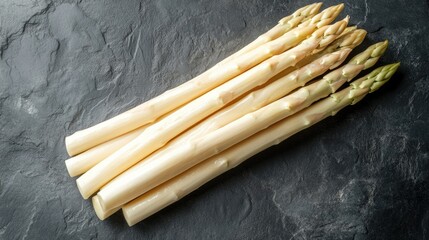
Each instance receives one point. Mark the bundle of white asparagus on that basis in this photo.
(281, 83)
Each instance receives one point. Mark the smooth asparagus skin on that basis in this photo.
(258, 99)
(84, 161)
(153, 171)
(151, 110)
(157, 135)
(180, 186)
(145, 175)
(99, 211)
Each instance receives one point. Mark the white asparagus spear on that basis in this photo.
(99, 211)
(284, 25)
(157, 135)
(350, 40)
(148, 174)
(259, 98)
(84, 161)
(180, 186)
(172, 99)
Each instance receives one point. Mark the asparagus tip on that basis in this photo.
(313, 5)
(377, 78)
(316, 7)
(304, 12)
(344, 52)
(347, 18)
(383, 78)
(383, 46)
(370, 56)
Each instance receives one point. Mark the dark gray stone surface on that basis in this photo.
(66, 65)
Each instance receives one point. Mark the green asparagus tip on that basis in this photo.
(383, 75)
(376, 78)
(380, 48)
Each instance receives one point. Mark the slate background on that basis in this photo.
(66, 65)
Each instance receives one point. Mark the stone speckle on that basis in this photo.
(66, 65)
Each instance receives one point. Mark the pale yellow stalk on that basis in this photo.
(99, 211)
(180, 186)
(257, 99)
(157, 135)
(151, 110)
(84, 161)
(148, 174)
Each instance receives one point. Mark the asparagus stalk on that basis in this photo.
(283, 26)
(81, 163)
(259, 98)
(149, 173)
(157, 135)
(350, 40)
(180, 186)
(151, 110)
(99, 211)
(280, 87)
(84, 161)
